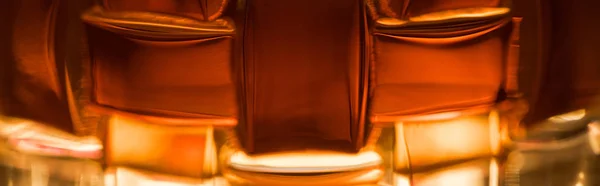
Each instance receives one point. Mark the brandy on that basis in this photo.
(439, 63)
(307, 93)
(562, 72)
(267, 92)
(435, 141)
(30, 86)
(479, 172)
(163, 84)
(160, 64)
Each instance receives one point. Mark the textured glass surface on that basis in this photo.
(572, 165)
(299, 92)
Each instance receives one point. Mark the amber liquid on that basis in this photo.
(303, 76)
(166, 89)
(165, 99)
(163, 103)
(430, 150)
(185, 151)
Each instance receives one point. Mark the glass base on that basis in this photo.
(122, 176)
(303, 168)
(141, 151)
(186, 150)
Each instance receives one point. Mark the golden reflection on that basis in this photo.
(494, 173)
(464, 13)
(304, 162)
(304, 168)
(30, 137)
(481, 12)
(567, 117)
(460, 176)
(427, 143)
(120, 176)
(483, 172)
(180, 150)
(432, 117)
(401, 180)
(594, 136)
(361, 177)
(155, 23)
(450, 40)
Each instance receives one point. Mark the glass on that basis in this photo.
(417, 146)
(268, 92)
(572, 165)
(23, 169)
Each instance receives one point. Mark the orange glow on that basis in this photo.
(162, 24)
(159, 78)
(363, 177)
(188, 151)
(494, 173)
(450, 40)
(594, 136)
(439, 116)
(220, 122)
(304, 162)
(298, 167)
(424, 143)
(473, 173)
(495, 132)
(567, 117)
(463, 13)
(120, 176)
(401, 180)
(35, 138)
(430, 117)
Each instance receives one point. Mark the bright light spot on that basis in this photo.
(494, 124)
(570, 116)
(130, 177)
(493, 174)
(401, 180)
(307, 161)
(471, 176)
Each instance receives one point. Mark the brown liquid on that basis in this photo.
(302, 60)
(303, 80)
(174, 150)
(303, 72)
(30, 85)
(566, 56)
(163, 77)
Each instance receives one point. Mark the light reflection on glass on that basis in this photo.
(26, 169)
(484, 172)
(120, 176)
(429, 142)
(304, 162)
(594, 136)
(179, 150)
(301, 167)
(35, 138)
(570, 116)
